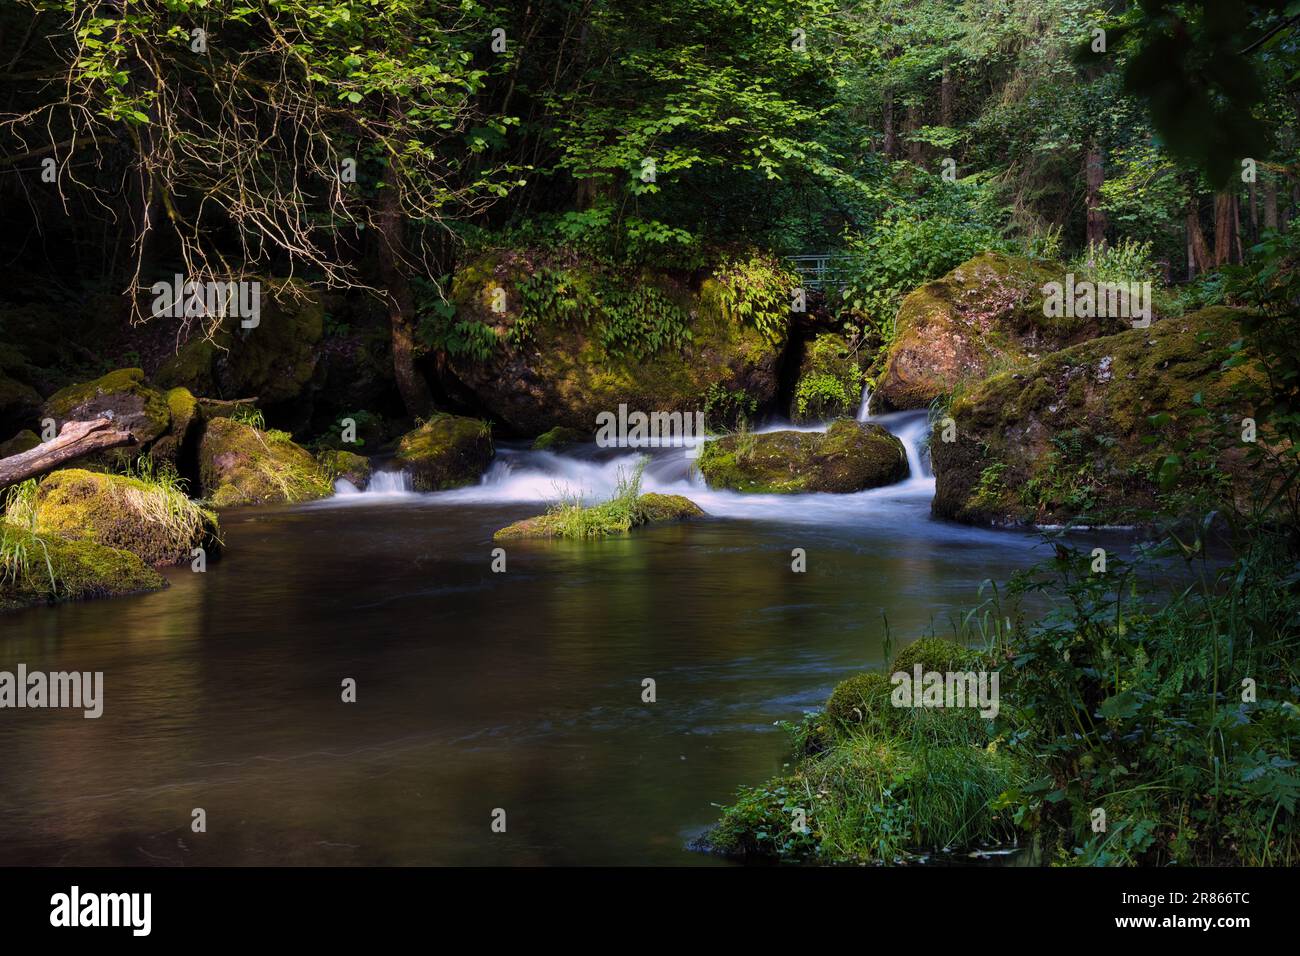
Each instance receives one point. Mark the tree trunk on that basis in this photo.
(393, 267)
(945, 98)
(911, 123)
(891, 142)
(1095, 177)
(1270, 201)
(75, 440)
(1224, 232)
(1198, 253)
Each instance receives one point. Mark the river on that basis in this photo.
(476, 691)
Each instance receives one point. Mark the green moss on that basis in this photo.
(274, 361)
(559, 437)
(347, 465)
(563, 372)
(186, 418)
(985, 315)
(122, 395)
(1071, 438)
(153, 520)
(25, 440)
(570, 520)
(447, 451)
(39, 569)
(657, 507)
(934, 654)
(242, 465)
(849, 456)
(861, 699)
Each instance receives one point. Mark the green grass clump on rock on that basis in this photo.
(627, 509)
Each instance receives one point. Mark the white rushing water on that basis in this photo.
(593, 474)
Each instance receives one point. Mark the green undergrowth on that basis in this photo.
(1140, 723)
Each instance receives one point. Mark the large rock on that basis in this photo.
(56, 569)
(272, 362)
(19, 400)
(243, 465)
(154, 521)
(984, 315)
(447, 451)
(849, 456)
(123, 395)
(1069, 439)
(554, 356)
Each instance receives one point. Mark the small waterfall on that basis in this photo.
(519, 476)
(389, 482)
(864, 410)
(381, 483)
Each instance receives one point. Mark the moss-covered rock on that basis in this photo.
(829, 382)
(19, 402)
(273, 361)
(43, 569)
(934, 654)
(242, 465)
(25, 440)
(984, 315)
(154, 521)
(849, 456)
(577, 339)
(124, 396)
(351, 467)
(657, 507)
(651, 508)
(559, 437)
(186, 424)
(1070, 440)
(860, 699)
(447, 451)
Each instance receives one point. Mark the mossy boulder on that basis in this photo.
(447, 451)
(849, 456)
(1071, 440)
(155, 522)
(984, 315)
(860, 699)
(934, 654)
(273, 361)
(19, 402)
(124, 396)
(651, 508)
(577, 339)
(829, 381)
(57, 569)
(658, 507)
(351, 467)
(243, 465)
(25, 440)
(559, 437)
(186, 424)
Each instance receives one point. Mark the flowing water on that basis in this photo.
(476, 690)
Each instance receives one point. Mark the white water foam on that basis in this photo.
(519, 476)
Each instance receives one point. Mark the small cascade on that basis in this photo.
(864, 410)
(382, 484)
(587, 473)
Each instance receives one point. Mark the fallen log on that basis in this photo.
(75, 440)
